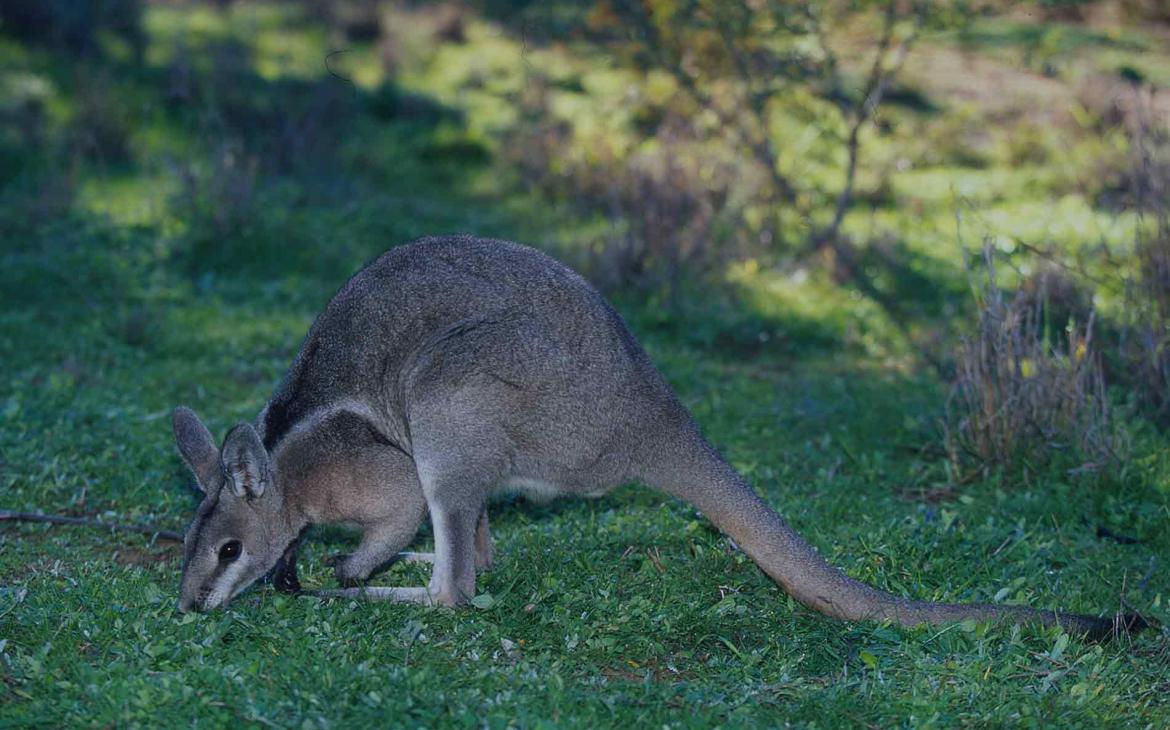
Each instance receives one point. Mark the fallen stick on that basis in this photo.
(7, 516)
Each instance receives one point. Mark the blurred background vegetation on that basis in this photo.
(977, 189)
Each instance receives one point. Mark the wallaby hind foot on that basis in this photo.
(377, 593)
(411, 557)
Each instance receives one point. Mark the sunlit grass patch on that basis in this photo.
(294, 52)
(1067, 219)
(127, 200)
(175, 29)
(786, 299)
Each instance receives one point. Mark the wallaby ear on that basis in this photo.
(196, 446)
(245, 461)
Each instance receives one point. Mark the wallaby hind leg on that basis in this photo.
(460, 456)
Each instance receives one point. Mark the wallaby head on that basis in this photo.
(239, 532)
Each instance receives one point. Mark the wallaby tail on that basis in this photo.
(696, 473)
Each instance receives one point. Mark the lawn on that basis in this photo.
(170, 227)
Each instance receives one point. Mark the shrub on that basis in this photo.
(1021, 400)
(662, 203)
(1060, 297)
(661, 218)
(73, 26)
(102, 124)
(217, 194)
(1144, 10)
(289, 124)
(1145, 338)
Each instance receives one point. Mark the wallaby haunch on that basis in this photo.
(454, 366)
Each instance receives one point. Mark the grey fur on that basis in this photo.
(454, 366)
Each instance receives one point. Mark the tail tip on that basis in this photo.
(1123, 624)
(1134, 622)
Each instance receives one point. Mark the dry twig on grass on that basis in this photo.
(154, 532)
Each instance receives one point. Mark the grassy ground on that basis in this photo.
(167, 233)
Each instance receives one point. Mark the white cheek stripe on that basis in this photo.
(223, 587)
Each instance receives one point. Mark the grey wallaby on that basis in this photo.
(451, 367)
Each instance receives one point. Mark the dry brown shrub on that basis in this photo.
(1145, 341)
(1133, 179)
(1145, 336)
(662, 203)
(1058, 293)
(1145, 10)
(1020, 399)
(1106, 98)
(217, 192)
(661, 217)
(102, 125)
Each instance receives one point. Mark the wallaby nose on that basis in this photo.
(186, 605)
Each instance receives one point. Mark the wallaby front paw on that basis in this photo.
(286, 582)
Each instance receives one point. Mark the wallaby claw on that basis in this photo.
(287, 582)
(284, 576)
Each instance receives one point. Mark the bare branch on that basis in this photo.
(760, 145)
(875, 88)
(832, 68)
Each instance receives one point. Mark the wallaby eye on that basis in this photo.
(229, 551)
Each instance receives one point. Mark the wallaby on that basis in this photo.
(454, 366)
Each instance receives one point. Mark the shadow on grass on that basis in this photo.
(251, 177)
(276, 190)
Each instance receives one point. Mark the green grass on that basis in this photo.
(124, 294)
